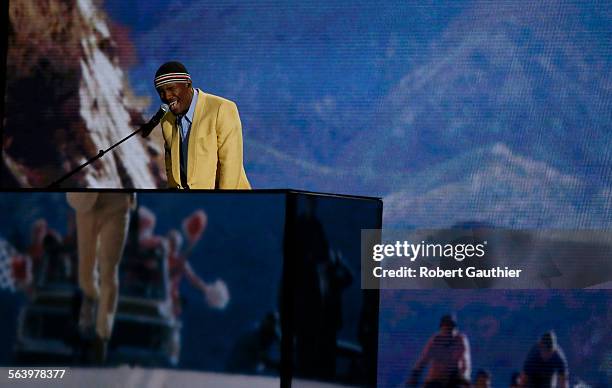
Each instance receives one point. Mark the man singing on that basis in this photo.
(202, 134)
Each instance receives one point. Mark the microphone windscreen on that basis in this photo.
(148, 127)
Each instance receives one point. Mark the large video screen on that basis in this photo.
(196, 286)
(237, 288)
(450, 110)
(455, 113)
(503, 332)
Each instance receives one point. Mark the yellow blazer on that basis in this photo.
(214, 154)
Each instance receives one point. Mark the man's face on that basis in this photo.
(177, 95)
(546, 352)
(446, 330)
(482, 382)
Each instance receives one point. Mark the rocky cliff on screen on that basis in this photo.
(67, 97)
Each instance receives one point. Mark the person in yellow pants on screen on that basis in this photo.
(102, 221)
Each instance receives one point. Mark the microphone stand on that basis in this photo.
(56, 184)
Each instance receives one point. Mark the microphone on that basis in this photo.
(148, 127)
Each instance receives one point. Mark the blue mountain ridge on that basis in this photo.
(376, 99)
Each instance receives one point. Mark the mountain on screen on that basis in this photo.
(335, 99)
(67, 99)
(367, 99)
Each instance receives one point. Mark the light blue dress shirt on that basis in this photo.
(184, 125)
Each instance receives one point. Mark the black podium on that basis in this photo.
(290, 260)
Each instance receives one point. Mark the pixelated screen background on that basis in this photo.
(240, 245)
(451, 111)
(239, 239)
(501, 326)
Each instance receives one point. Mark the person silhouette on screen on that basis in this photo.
(516, 380)
(483, 379)
(257, 350)
(545, 365)
(323, 276)
(447, 353)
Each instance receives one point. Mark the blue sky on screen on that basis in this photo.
(498, 114)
